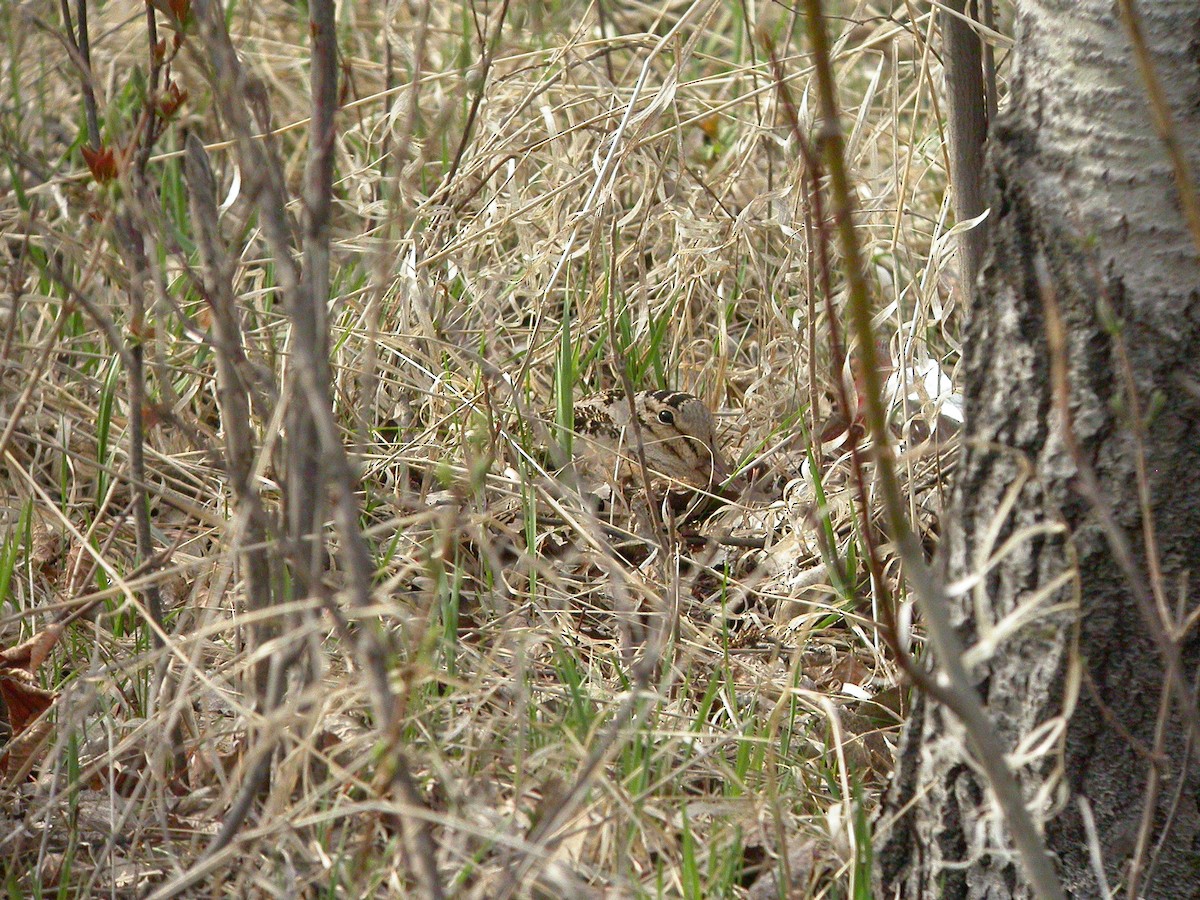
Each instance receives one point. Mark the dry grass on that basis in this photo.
(476, 280)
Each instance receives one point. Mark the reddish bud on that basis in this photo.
(171, 100)
(101, 162)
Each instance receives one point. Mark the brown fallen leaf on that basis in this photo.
(26, 703)
(30, 655)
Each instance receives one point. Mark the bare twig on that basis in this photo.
(966, 114)
(130, 241)
(487, 49)
(82, 51)
(233, 396)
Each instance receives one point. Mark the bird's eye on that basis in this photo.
(666, 417)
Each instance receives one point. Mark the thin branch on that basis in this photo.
(82, 52)
(966, 115)
(233, 399)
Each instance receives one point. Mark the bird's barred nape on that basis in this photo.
(672, 398)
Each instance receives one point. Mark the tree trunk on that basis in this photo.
(1086, 214)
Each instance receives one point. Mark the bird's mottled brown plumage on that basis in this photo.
(677, 430)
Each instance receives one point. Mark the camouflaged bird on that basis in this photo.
(678, 438)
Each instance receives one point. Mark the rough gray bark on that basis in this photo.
(1082, 183)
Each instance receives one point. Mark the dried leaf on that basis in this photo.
(30, 655)
(24, 700)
